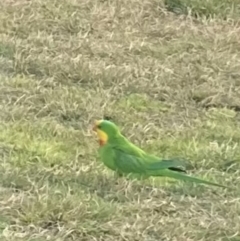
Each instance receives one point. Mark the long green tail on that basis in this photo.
(184, 177)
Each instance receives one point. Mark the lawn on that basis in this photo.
(167, 72)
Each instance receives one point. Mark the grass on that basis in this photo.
(167, 72)
(222, 9)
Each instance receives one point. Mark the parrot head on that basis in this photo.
(106, 130)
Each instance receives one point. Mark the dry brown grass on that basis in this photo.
(172, 82)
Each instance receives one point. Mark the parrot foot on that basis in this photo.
(117, 177)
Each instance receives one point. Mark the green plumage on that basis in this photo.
(123, 157)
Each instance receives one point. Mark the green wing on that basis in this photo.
(175, 165)
(132, 164)
(127, 163)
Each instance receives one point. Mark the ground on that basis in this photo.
(167, 72)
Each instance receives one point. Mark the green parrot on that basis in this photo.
(123, 157)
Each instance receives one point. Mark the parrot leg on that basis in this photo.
(117, 177)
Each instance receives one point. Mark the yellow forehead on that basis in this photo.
(98, 122)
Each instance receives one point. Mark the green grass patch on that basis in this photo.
(205, 9)
(170, 82)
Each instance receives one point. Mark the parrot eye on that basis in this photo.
(99, 126)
